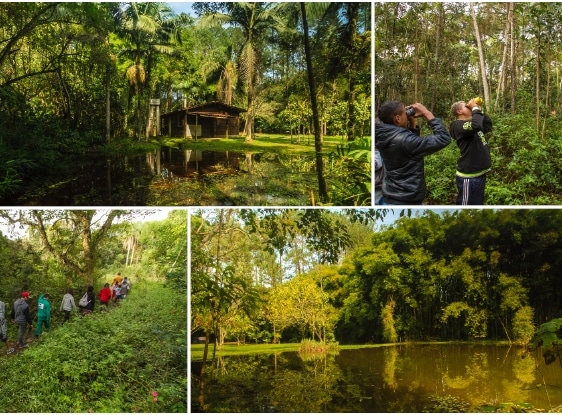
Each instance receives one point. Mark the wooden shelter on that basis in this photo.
(212, 119)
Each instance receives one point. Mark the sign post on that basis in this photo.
(156, 103)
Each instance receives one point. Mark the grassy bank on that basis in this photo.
(248, 349)
(132, 359)
(270, 143)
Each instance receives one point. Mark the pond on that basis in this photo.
(171, 177)
(409, 378)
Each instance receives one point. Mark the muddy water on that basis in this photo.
(413, 378)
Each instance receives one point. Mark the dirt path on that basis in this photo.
(29, 338)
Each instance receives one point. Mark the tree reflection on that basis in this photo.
(389, 374)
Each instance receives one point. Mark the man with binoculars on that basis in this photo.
(403, 150)
(468, 131)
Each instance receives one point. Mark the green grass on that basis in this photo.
(273, 143)
(248, 349)
(132, 359)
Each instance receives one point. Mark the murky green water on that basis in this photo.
(413, 378)
(170, 177)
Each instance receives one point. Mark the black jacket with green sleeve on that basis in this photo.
(475, 154)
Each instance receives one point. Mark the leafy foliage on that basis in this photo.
(548, 334)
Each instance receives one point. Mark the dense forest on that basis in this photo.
(77, 78)
(289, 275)
(129, 359)
(506, 53)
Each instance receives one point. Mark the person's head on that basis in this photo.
(70, 291)
(393, 112)
(460, 110)
(25, 295)
(90, 289)
(46, 296)
(106, 285)
(119, 273)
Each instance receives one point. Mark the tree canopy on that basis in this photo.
(448, 275)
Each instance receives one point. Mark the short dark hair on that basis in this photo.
(388, 110)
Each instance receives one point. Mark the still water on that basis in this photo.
(171, 177)
(412, 378)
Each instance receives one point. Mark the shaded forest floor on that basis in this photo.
(132, 359)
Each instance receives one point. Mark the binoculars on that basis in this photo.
(410, 112)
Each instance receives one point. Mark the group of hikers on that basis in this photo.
(400, 150)
(20, 314)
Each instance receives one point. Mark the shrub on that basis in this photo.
(526, 168)
(523, 328)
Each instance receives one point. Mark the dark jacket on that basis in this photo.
(403, 151)
(91, 301)
(20, 312)
(475, 154)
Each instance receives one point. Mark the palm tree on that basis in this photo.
(255, 19)
(148, 29)
(226, 83)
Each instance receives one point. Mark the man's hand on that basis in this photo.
(422, 111)
(471, 104)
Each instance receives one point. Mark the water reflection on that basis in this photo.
(413, 378)
(178, 177)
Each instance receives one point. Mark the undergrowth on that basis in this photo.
(132, 359)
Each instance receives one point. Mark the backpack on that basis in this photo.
(84, 300)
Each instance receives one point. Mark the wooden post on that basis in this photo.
(158, 120)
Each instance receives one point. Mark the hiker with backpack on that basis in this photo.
(43, 314)
(67, 304)
(105, 296)
(116, 293)
(88, 301)
(125, 288)
(4, 328)
(20, 316)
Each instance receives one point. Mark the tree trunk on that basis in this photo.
(538, 78)
(436, 76)
(322, 191)
(480, 54)
(500, 93)
(352, 11)
(512, 65)
(108, 105)
(547, 97)
(204, 364)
